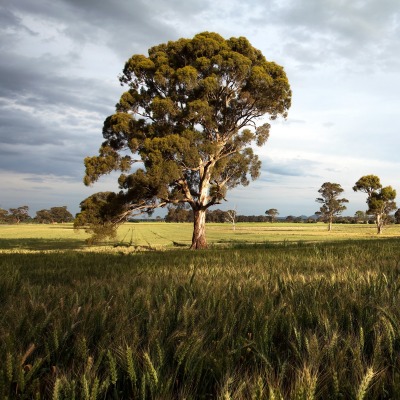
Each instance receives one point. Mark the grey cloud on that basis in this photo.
(360, 21)
(43, 82)
(317, 32)
(19, 127)
(6, 151)
(28, 145)
(39, 107)
(289, 121)
(36, 179)
(294, 167)
(42, 188)
(119, 23)
(312, 31)
(24, 159)
(9, 21)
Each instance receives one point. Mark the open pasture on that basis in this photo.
(289, 318)
(160, 235)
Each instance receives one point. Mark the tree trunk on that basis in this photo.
(199, 230)
(330, 225)
(379, 223)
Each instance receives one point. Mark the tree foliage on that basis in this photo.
(397, 216)
(360, 216)
(272, 213)
(54, 215)
(98, 215)
(14, 215)
(4, 216)
(331, 204)
(179, 213)
(182, 132)
(380, 199)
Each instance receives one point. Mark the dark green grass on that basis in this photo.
(291, 321)
(38, 244)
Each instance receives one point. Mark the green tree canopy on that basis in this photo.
(99, 213)
(19, 214)
(54, 215)
(4, 216)
(183, 131)
(272, 213)
(43, 216)
(331, 204)
(61, 214)
(397, 216)
(360, 216)
(380, 199)
(179, 213)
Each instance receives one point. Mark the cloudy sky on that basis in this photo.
(59, 67)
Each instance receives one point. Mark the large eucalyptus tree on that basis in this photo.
(183, 131)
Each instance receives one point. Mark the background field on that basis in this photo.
(161, 235)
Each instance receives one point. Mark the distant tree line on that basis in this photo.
(184, 214)
(21, 214)
(14, 215)
(380, 201)
(177, 214)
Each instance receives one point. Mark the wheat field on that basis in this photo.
(262, 320)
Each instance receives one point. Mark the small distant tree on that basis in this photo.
(380, 199)
(217, 215)
(397, 216)
(4, 216)
(331, 204)
(272, 213)
(19, 214)
(230, 216)
(360, 216)
(179, 213)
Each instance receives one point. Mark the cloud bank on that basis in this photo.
(61, 59)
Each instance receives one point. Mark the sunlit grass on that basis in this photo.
(159, 235)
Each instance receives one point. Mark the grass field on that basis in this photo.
(33, 237)
(296, 313)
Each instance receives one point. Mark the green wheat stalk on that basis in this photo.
(9, 367)
(363, 388)
(113, 367)
(130, 366)
(57, 389)
(151, 370)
